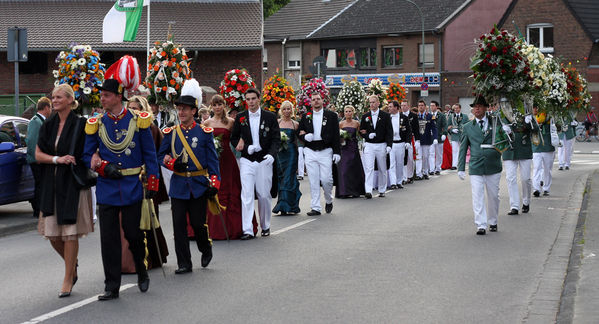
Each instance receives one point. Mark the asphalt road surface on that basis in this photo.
(411, 257)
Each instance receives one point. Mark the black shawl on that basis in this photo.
(58, 184)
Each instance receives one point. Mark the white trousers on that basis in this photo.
(511, 176)
(319, 165)
(542, 163)
(375, 152)
(300, 161)
(435, 157)
(455, 150)
(422, 162)
(564, 152)
(409, 167)
(488, 216)
(398, 152)
(255, 176)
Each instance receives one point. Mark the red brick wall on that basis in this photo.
(28, 83)
(274, 59)
(455, 85)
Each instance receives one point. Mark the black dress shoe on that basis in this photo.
(265, 232)
(536, 193)
(431, 173)
(246, 237)
(392, 187)
(143, 282)
(313, 213)
(206, 257)
(328, 208)
(545, 193)
(454, 168)
(399, 186)
(541, 183)
(411, 180)
(561, 168)
(417, 178)
(525, 208)
(567, 168)
(481, 231)
(493, 228)
(382, 195)
(404, 183)
(183, 270)
(368, 195)
(425, 177)
(437, 172)
(108, 295)
(514, 211)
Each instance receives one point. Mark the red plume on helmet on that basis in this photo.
(126, 72)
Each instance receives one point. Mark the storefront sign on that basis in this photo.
(407, 80)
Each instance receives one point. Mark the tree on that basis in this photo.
(272, 6)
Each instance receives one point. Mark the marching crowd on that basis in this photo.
(213, 165)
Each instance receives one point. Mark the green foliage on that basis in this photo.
(272, 6)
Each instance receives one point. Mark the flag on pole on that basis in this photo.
(121, 22)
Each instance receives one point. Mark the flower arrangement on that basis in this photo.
(396, 92)
(375, 87)
(304, 100)
(579, 99)
(352, 94)
(344, 136)
(79, 66)
(168, 68)
(500, 68)
(540, 83)
(218, 144)
(556, 94)
(284, 141)
(275, 91)
(234, 86)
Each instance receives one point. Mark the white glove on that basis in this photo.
(574, 123)
(309, 137)
(528, 119)
(417, 144)
(269, 159)
(454, 130)
(388, 149)
(435, 141)
(462, 175)
(253, 149)
(507, 129)
(371, 135)
(443, 137)
(408, 146)
(336, 158)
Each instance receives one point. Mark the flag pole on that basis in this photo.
(148, 38)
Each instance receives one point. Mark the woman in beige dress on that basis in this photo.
(66, 210)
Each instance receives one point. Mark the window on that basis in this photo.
(429, 54)
(264, 59)
(340, 57)
(37, 63)
(8, 133)
(541, 36)
(367, 57)
(22, 130)
(294, 57)
(393, 56)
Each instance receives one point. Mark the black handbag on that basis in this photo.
(85, 178)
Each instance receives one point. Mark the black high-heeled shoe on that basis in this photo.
(65, 294)
(75, 277)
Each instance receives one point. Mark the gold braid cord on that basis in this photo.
(122, 146)
(183, 152)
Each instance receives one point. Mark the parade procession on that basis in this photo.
(325, 175)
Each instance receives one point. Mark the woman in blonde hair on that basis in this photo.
(229, 194)
(289, 193)
(66, 209)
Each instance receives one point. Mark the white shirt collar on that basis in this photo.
(373, 113)
(318, 112)
(254, 114)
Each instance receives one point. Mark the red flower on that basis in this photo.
(494, 49)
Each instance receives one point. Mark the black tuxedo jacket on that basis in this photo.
(414, 125)
(405, 129)
(269, 133)
(329, 131)
(383, 131)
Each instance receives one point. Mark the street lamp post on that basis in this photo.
(422, 19)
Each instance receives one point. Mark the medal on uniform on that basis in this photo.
(119, 135)
(127, 151)
(324, 122)
(194, 142)
(132, 145)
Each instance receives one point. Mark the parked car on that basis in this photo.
(16, 179)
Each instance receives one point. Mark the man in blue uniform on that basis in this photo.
(188, 151)
(428, 137)
(118, 145)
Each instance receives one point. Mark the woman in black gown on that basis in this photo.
(349, 171)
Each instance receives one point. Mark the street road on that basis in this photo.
(412, 257)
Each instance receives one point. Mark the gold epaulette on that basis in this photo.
(144, 119)
(91, 127)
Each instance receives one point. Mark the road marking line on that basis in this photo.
(292, 226)
(577, 151)
(69, 308)
(594, 152)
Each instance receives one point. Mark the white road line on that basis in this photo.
(292, 226)
(577, 151)
(594, 152)
(69, 308)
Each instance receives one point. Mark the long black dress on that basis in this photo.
(349, 170)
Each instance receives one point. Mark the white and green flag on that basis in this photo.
(121, 22)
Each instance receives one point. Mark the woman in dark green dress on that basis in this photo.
(289, 193)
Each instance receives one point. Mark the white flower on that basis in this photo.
(182, 51)
(82, 84)
(56, 74)
(179, 80)
(170, 90)
(164, 63)
(160, 76)
(81, 61)
(88, 48)
(82, 75)
(56, 83)
(87, 90)
(62, 55)
(183, 63)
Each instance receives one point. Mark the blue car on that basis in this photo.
(16, 179)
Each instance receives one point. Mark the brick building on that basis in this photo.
(218, 35)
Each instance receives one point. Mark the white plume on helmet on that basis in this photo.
(192, 88)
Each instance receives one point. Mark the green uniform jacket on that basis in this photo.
(33, 131)
(482, 161)
(570, 133)
(545, 145)
(441, 123)
(522, 144)
(456, 122)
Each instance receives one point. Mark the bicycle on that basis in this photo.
(581, 135)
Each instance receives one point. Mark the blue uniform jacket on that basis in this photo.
(128, 190)
(191, 187)
(430, 132)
